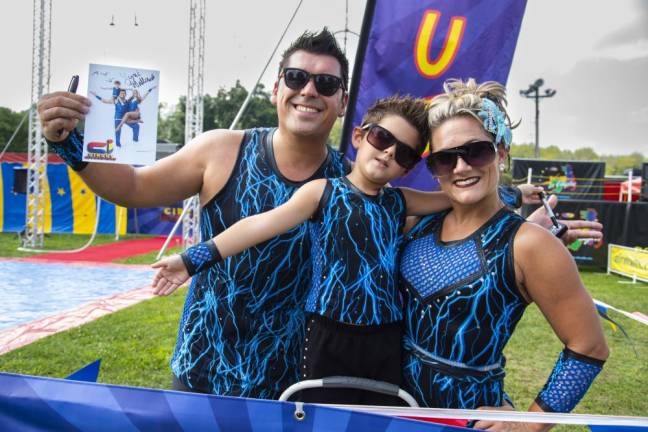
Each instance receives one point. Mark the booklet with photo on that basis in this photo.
(121, 126)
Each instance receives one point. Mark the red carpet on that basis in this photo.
(111, 252)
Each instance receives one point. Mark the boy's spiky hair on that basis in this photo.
(318, 43)
(412, 109)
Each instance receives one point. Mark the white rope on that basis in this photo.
(630, 315)
(497, 415)
(235, 121)
(94, 234)
(249, 96)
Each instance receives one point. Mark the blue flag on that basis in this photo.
(412, 47)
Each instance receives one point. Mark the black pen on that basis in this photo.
(74, 83)
(557, 229)
(72, 88)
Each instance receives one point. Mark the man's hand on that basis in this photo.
(171, 274)
(59, 113)
(530, 193)
(576, 229)
(505, 426)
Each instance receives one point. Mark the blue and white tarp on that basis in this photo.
(35, 404)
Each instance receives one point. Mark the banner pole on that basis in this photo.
(367, 21)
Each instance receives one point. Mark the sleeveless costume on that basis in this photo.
(461, 307)
(355, 310)
(242, 326)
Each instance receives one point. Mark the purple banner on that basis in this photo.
(412, 47)
(154, 220)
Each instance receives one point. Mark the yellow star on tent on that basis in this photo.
(60, 191)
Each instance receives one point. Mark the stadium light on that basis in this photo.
(533, 92)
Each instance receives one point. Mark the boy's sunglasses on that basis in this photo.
(476, 154)
(325, 84)
(381, 139)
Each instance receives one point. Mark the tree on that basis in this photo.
(614, 164)
(9, 121)
(171, 122)
(219, 112)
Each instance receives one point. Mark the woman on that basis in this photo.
(469, 272)
(133, 114)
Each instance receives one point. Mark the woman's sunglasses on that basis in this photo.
(476, 154)
(325, 84)
(381, 139)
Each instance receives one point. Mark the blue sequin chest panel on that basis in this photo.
(432, 269)
(243, 321)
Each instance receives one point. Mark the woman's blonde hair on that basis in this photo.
(466, 98)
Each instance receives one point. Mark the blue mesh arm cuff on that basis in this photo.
(570, 379)
(510, 195)
(201, 256)
(70, 150)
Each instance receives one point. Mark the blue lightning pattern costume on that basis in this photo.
(354, 323)
(243, 322)
(355, 241)
(461, 307)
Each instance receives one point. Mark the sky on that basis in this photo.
(593, 53)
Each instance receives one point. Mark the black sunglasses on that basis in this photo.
(325, 84)
(381, 139)
(476, 154)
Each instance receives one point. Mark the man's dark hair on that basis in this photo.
(318, 43)
(117, 82)
(412, 109)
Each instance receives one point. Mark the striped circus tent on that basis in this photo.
(70, 206)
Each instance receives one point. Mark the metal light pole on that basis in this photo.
(533, 92)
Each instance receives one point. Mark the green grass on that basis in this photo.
(135, 345)
(621, 387)
(148, 258)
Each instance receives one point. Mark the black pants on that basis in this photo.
(332, 348)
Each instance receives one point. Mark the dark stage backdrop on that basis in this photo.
(567, 179)
(623, 224)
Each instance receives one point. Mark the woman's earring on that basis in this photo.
(502, 167)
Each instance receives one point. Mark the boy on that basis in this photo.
(355, 225)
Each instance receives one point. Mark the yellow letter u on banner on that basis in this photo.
(433, 69)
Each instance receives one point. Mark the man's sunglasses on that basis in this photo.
(325, 84)
(381, 139)
(476, 154)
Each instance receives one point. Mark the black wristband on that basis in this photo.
(201, 256)
(70, 150)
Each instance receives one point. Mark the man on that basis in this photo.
(122, 106)
(240, 332)
(241, 328)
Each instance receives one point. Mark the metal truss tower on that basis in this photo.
(37, 151)
(194, 109)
